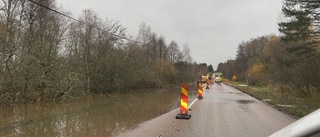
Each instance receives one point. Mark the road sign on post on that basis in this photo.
(184, 104)
(234, 78)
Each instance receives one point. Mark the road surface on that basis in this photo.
(223, 112)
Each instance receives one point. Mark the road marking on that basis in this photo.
(192, 103)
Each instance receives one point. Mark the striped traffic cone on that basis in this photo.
(184, 104)
(200, 91)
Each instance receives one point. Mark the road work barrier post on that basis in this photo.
(207, 85)
(184, 104)
(200, 91)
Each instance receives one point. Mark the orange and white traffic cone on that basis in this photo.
(184, 104)
(207, 87)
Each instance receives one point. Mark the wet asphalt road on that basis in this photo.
(223, 112)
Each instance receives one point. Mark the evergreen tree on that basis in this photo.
(300, 29)
(301, 26)
(210, 68)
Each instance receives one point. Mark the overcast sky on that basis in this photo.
(212, 28)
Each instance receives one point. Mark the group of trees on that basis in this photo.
(45, 55)
(289, 60)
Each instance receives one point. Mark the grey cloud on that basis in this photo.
(212, 28)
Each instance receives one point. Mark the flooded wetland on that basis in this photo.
(95, 115)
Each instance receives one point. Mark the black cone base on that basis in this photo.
(200, 97)
(183, 116)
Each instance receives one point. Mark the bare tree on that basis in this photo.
(9, 37)
(173, 52)
(186, 53)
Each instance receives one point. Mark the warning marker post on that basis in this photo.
(184, 104)
(200, 91)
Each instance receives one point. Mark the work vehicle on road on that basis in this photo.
(204, 78)
(218, 79)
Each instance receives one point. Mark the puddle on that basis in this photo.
(245, 101)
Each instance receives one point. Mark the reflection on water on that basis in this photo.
(97, 115)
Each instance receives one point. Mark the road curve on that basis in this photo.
(223, 112)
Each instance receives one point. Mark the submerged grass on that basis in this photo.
(287, 101)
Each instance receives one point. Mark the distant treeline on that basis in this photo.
(46, 56)
(290, 61)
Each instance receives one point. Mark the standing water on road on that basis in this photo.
(97, 115)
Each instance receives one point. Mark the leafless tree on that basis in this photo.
(173, 52)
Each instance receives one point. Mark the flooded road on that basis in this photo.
(223, 112)
(96, 115)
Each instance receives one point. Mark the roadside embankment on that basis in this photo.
(284, 101)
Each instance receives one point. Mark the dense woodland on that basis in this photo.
(289, 62)
(45, 56)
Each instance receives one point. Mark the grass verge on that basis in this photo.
(283, 101)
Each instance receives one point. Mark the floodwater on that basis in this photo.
(95, 116)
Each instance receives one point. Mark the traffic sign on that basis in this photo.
(234, 78)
